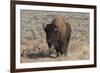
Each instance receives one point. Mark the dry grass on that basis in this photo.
(33, 38)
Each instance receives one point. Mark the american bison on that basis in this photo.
(58, 34)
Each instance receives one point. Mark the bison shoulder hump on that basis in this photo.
(60, 22)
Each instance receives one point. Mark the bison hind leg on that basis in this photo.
(59, 52)
(65, 45)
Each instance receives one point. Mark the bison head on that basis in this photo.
(51, 35)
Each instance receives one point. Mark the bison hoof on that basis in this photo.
(52, 55)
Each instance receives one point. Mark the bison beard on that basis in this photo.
(58, 35)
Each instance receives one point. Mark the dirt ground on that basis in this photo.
(33, 38)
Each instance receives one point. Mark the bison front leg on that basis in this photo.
(50, 51)
(57, 53)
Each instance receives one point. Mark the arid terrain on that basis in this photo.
(33, 37)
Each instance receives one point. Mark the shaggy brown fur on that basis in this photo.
(60, 39)
(64, 32)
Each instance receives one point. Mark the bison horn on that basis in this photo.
(43, 26)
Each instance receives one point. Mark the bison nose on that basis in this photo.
(52, 46)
